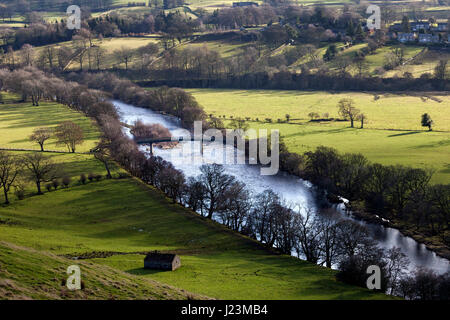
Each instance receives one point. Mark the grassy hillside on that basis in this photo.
(110, 45)
(18, 120)
(27, 273)
(101, 219)
(392, 134)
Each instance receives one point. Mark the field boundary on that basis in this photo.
(45, 151)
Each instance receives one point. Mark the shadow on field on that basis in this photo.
(144, 272)
(404, 134)
(306, 133)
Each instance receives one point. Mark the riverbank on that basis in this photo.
(432, 243)
(291, 188)
(126, 215)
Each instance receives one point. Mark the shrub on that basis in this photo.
(313, 115)
(123, 175)
(20, 192)
(91, 177)
(55, 183)
(83, 178)
(98, 177)
(66, 181)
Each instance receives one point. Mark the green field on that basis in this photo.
(109, 60)
(18, 120)
(392, 134)
(124, 215)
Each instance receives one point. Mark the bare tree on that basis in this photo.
(308, 237)
(362, 117)
(27, 52)
(195, 194)
(237, 204)
(172, 182)
(329, 242)
(64, 55)
(347, 110)
(397, 263)
(101, 153)
(362, 66)
(49, 54)
(216, 183)
(124, 55)
(40, 135)
(351, 236)
(99, 54)
(81, 45)
(263, 215)
(440, 71)
(41, 168)
(147, 54)
(33, 88)
(10, 167)
(343, 63)
(69, 134)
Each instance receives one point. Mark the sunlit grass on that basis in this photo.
(18, 120)
(124, 215)
(392, 135)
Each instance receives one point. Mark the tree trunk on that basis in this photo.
(6, 195)
(38, 185)
(108, 175)
(42, 146)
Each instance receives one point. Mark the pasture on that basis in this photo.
(102, 218)
(392, 135)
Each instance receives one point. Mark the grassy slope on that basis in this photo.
(382, 141)
(18, 120)
(110, 45)
(126, 216)
(26, 273)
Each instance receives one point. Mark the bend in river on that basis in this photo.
(187, 158)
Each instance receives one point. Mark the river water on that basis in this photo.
(295, 191)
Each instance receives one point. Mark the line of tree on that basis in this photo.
(264, 217)
(173, 101)
(33, 167)
(68, 134)
(392, 192)
(285, 80)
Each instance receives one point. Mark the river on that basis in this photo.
(187, 158)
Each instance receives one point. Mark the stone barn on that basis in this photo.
(162, 261)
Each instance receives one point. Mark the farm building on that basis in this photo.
(162, 261)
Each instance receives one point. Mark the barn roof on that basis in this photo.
(160, 257)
